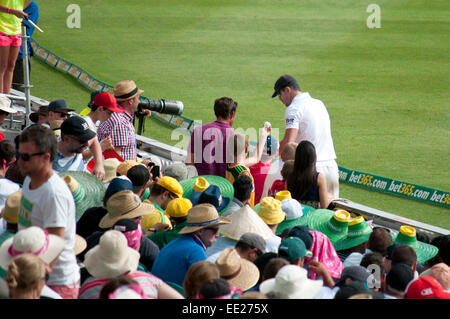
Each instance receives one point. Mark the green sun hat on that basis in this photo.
(333, 224)
(201, 183)
(358, 232)
(87, 190)
(424, 251)
(296, 215)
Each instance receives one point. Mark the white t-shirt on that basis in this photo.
(92, 125)
(311, 118)
(52, 205)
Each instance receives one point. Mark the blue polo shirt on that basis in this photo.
(176, 257)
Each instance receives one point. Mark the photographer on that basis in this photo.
(120, 125)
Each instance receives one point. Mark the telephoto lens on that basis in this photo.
(162, 106)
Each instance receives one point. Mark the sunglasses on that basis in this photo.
(62, 114)
(26, 157)
(214, 230)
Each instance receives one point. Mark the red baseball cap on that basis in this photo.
(426, 287)
(108, 101)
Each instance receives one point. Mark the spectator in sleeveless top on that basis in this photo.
(306, 184)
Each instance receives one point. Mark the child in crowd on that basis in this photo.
(280, 184)
(238, 148)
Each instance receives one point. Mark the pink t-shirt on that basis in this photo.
(208, 144)
(259, 172)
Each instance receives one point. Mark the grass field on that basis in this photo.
(386, 89)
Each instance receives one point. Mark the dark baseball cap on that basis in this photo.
(254, 240)
(293, 248)
(59, 105)
(282, 82)
(77, 126)
(400, 276)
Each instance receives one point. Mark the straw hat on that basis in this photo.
(32, 240)
(87, 190)
(333, 224)
(296, 214)
(124, 205)
(245, 220)
(111, 257)
(202, 216)
(80, 244)
(202, 182)
(10, 212)
(126, 90)
(122, 168)
(270, 211)
(238, 271)
(110, 165)
(407, 236)
(292, 281)
(358, 232)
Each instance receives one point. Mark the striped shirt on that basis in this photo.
(121, 129)
(149, 283)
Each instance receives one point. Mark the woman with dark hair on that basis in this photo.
(306, 184)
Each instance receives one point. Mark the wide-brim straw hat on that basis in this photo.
(87, 190)
(10, 212)
(111, 257)
(110, 165)
(80, 244)
(292, 281)
(31, 240)
(239, 272)
(333, 224)
(226, 188)
(245, 220)
(124, 205)
(202, 216)
(126, 90)
(407, 236)
(358, 232)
